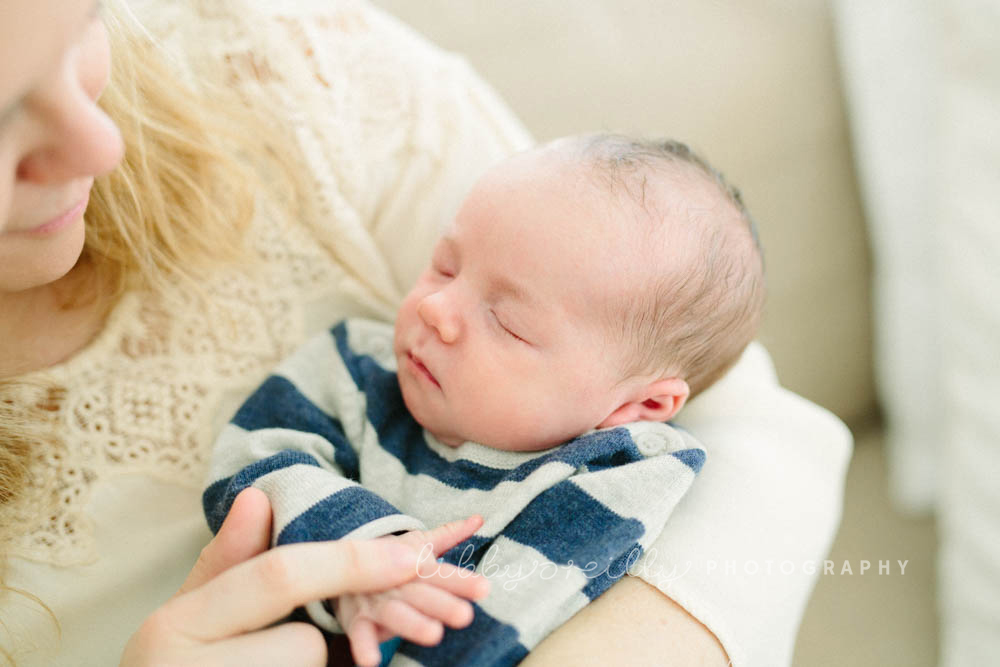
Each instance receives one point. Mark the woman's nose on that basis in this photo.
(438, 313)
(75, 139)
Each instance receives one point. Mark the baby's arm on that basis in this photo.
(295, 438)
(289, 440)
(337, 508)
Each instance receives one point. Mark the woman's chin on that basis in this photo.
(42, 261)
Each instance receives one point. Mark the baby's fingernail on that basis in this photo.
(466, 616)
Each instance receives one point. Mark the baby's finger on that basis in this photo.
(384, 634)
(364, 643)
(404, 621)
(446, 536)
(436, 603)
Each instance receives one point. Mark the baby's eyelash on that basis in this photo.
(506, 330)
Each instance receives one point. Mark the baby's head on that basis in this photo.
(591, 282)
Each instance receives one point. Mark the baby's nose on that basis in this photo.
(438, 314)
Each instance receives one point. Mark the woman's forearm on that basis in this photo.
(632, 623)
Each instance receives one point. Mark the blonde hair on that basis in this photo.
(179, 202)
(174, 210)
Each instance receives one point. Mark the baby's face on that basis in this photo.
(502, 340)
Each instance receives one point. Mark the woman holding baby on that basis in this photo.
(185, 195)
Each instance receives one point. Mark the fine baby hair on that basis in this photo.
(695, 319)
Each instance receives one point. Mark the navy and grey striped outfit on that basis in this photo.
(328, 438)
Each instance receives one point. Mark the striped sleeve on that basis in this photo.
(299, 438)
(569, 544)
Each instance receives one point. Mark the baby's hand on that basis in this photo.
(419, 609)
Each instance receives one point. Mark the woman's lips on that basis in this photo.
(61, 220)
(421, 369)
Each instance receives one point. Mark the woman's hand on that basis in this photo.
(416, 610)
(238, 588)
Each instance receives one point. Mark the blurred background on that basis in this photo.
(856, 131)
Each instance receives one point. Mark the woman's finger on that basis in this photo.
(436, 603)
(269, 586)
(245, 533)
(291, 644)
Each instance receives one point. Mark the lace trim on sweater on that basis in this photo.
(145, 396)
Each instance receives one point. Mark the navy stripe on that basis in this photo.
(402, 437)
(467, 554)
(566, 524)
(218, 497)
(600, 450)
(278, 403)
(336, 516)
(486, 642)
(603, 579)
(692, 458)
(350, 357)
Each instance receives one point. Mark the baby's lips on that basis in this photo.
(420, 366)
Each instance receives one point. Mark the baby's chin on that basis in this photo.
(446, 432)
(441, 435)
(419, 413)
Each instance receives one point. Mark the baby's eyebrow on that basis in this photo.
(500, 287)
(503, 287)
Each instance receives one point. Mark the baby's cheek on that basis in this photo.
(407, 315)
(6, 181)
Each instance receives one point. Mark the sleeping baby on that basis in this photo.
(584, 291)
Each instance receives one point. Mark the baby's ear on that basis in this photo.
(657, 401)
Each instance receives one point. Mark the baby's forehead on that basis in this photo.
(635, 219)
